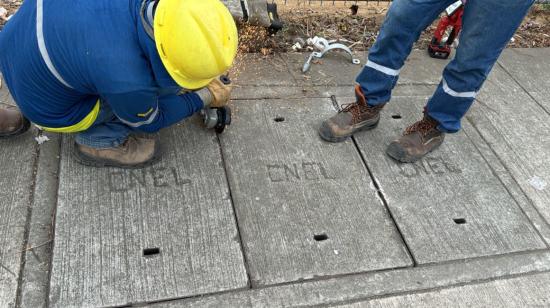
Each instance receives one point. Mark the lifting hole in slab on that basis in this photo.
(149, 252)
(459, 221)
(279, 119)
(320, 237)
(396, 116)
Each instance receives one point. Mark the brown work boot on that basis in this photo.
(418, 140)
(135, 152)
(12, 122)
(351, 119)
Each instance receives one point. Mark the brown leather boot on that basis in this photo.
(418, 140)
(351, 119)
(135, 152)
(12, 122)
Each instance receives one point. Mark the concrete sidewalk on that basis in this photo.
(268, 215)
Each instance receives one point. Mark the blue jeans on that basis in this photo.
(106, 132)
(488, 26)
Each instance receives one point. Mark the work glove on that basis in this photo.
(216, 94)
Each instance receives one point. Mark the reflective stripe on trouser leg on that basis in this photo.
(448, 107)
(487, 28)
(382, 69)
(404, 22)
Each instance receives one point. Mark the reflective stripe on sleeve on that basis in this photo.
(150, 120)
(150, 8)
(42, 43)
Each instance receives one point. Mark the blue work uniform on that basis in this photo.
(487, 27)
(70, 63)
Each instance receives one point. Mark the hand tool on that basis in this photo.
(451, 23)
(218, 118)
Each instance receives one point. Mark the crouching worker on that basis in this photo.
(104, 69)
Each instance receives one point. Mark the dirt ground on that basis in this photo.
(10, 7)
(360, 31)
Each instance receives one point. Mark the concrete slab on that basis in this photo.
(257, 76)
(18, 158)
(528, 291)
(35, 277)
(314, 231)
(420, 69)
(286, 92)
(531, 69)
(305, 208)
(5, 98)
(280, 76)
(517, 129)
(449, 205)
(260, 71)
(130, 236)
(361, 287)
(334, 69)
(501, 171)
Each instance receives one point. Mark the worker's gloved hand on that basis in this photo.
(221, 93)
(216, 94)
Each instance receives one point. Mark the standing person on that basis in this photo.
(488, 26)
(103, 69)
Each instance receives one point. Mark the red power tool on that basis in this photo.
(440, 48)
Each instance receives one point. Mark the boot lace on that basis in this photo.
(359, 111)
(423, 126)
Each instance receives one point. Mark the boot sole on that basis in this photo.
(343, 138)
(103, 163)
(23, 129)
(396, 152)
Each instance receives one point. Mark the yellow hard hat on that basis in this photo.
(196, 40)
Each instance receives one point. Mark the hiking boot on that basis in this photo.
(135, 152)
(418, 140)
(351, 119)
(12, 122)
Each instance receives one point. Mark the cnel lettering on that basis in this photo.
(124, 180)
(305, 171)
(427, 166)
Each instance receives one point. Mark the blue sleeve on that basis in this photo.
(147, 112)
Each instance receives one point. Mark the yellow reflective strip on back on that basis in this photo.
(78, 127)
